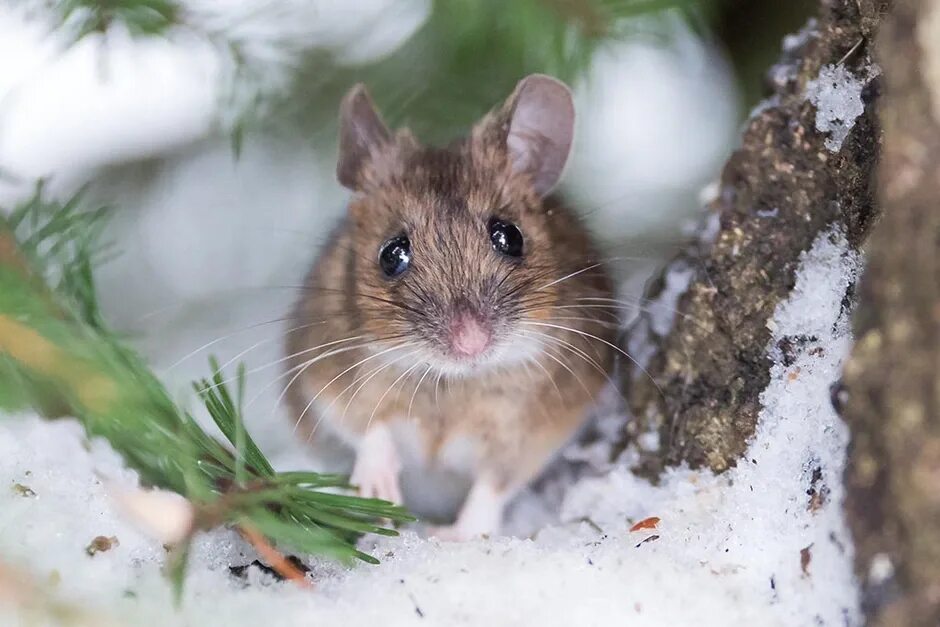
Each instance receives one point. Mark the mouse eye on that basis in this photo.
(505, 237)
(395, 256)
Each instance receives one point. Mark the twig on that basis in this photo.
(272, 556)
(851, 51)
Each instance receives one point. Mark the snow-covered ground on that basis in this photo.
(764, 543)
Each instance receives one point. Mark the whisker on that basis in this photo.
(568, 276)
(283, 359)
(638, 305)
(415, 393)
(223, 338)
(390, 388)
(363, 384)
(602, 340)
(563, 344)
(298, 371)
(344, 372)
(262, 342)
(565, 366)
(551, 379)
(606, 325)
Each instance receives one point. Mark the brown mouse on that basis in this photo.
(456, 319)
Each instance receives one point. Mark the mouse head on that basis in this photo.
(457, 248)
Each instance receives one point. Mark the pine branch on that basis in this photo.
(139, 17)
(58, 357)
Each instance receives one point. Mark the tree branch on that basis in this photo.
(699, 380)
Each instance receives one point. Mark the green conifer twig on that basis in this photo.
(58, 356)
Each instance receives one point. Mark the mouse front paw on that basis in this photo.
(480, 516)
(377, 467)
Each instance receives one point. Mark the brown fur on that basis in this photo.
(517, 415)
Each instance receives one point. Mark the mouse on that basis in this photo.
(457, 320)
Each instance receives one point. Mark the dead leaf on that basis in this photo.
(646, 523)
(101, 544)
(805, 558)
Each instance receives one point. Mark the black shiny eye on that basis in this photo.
(506, 237)
(395, 256)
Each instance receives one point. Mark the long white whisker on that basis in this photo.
(568, 276)
(390, 388)
(602, 340)
(583, 356)
(605, 309)
(369, 378)
(415, 393)
(337, 377)
(638, 305)
(288, 357)
(551, 379)
(298, 371)
(565, 366)
(584, 319)
(577, 351)
(222, 339)
(262, 342)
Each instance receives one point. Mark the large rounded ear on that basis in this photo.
(541, 129)
(362, 136)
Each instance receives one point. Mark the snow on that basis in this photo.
(655, 122)
(136, 98)
(837, 95)
(751, 546)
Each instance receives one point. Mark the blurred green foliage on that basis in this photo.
(140, 17)
(469, 55)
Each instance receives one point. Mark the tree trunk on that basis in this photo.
(892, 379)
(699, 376)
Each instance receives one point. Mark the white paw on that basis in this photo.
(377, 466)
(481, 514)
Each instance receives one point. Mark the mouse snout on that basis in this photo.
(469, 335)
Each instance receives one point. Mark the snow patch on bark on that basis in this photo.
(837, 95)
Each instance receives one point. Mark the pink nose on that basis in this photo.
(468, 336)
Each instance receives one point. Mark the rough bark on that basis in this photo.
(893, 407)
(700, 385)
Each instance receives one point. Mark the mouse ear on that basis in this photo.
(362, 136)
(541, 129)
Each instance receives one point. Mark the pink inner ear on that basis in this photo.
(363, 135)
(541, 130)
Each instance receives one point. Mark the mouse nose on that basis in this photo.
(469, 336)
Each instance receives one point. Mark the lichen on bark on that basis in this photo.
(700, 388)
